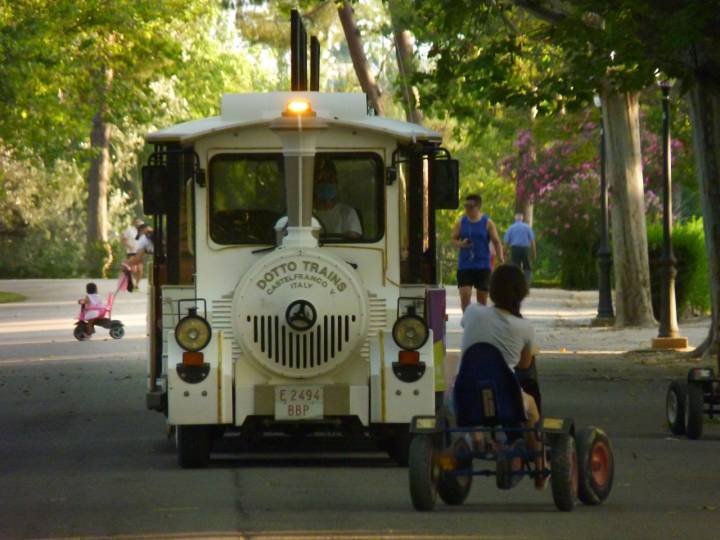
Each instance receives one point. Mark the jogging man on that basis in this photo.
(472, 235)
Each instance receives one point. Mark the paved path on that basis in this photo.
(81, 457)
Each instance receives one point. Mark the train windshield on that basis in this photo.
(247, 197)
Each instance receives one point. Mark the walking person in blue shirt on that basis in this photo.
(472, 235)
(520, 240)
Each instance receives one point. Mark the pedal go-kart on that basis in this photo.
(488, 402)
(689, 400)
(85, 327)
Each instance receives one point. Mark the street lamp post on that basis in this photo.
(668, 334)
(605, 312)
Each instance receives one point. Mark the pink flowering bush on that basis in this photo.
(563, 184)
(568, 223)
(561, 178)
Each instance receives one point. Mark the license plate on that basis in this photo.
(298, 402)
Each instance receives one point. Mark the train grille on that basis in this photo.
(301, 350)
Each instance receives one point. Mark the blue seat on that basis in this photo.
(486, 392)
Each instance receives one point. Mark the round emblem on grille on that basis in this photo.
(301, 315)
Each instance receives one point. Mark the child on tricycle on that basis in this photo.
(93, 312)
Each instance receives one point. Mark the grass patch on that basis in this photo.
(546, 283)
(6, 297)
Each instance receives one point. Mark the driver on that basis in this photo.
(503, 326)
(336, 217)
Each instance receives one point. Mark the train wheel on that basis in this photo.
(596, 465)
(564, 467)
(694, 410)
(398, 445)
(675, 406)
(193, 446)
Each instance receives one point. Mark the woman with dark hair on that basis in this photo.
(502, 326)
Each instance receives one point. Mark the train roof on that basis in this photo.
(337, 109)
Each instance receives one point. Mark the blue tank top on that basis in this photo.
(477, 256)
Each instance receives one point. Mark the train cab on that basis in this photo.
(294, 279)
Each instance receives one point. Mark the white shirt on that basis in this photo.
(129, 239)
(340, 219)
(145, 244)
(94, 307)
(95, 300)
(485, 324)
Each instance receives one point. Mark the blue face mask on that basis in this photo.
(326, 191)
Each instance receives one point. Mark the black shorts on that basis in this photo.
(478, 278)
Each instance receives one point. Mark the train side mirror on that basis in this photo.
(155, 179)
(445, 184)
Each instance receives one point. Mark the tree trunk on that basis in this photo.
(705, 117)
(630, 253)
(359, 60)
(99, 253)
(405, 54)
(98, 180)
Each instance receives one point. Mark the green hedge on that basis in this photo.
(692, 288)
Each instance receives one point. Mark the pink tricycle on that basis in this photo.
(97, 315)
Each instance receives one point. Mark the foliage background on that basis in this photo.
(204, 48)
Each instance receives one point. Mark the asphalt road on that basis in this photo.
(81, 457)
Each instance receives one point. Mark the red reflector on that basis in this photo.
(192, 358)
(409, 357)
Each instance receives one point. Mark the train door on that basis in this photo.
(168, 196)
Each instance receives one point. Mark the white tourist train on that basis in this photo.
(294, 276)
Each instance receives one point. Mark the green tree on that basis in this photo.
(98, 75)
(518, 54)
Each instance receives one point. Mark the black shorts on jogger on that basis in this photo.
(478, 278)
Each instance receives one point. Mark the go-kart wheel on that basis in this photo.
(117, 331)
(193, 446)
(454, 489)
(564, 471)
(424, 471)
(694, 410)
(80, 332)
(596, 465)
(675, 406)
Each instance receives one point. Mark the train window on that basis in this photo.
(348, 195)
(247, 197)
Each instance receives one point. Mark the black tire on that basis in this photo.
(694, 411)
(193, 446)
(398, 445)
(675, 406)
(80, 332)
(564, 477)
(423, 472)
(117, 331)
(596, 465)
(454, 489)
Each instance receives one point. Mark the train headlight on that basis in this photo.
(193, 333)
(298, 107)
(410, 332)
